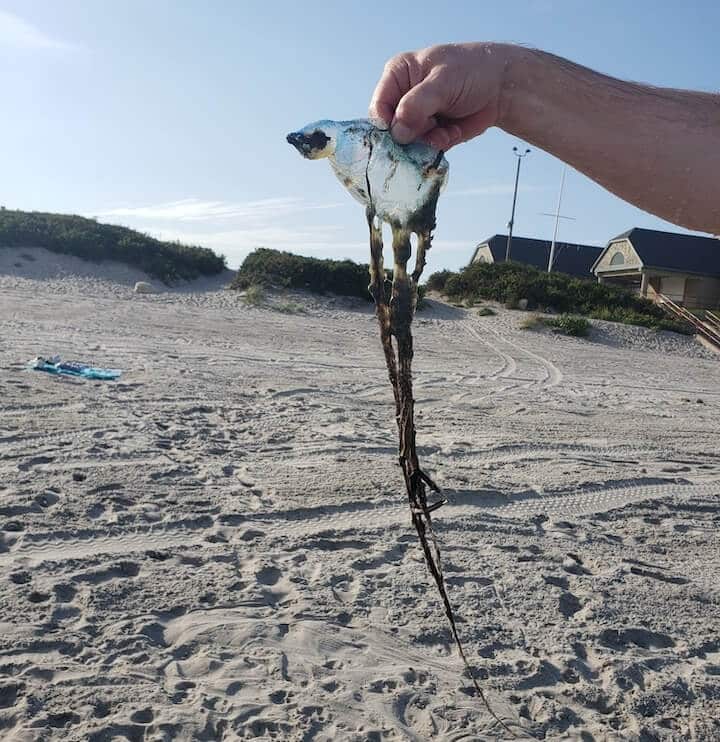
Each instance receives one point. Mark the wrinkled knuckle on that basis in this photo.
(441, 70)
(406, 112)
(410, 110)
(398, 62)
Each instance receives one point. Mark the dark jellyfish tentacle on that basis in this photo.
(395, 320)
(382, 309)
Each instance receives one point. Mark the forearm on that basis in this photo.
(656, 148)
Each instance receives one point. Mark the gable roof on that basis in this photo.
(577, 260)
(685, 253)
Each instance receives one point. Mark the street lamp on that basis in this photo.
(519, 156)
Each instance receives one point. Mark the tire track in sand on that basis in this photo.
(512, 362)
(33, 549)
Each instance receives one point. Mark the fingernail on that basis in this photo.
(377, 118)
(401, 133)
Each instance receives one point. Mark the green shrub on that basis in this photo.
(533, 322)
(633, 317)
(283, 269)
(670, 326)
(569, 324)
(508, 283)
(436, 281)
(254, 296)
(288, 307)
(87, 239)
(273, 268)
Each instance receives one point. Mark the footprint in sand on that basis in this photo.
(268, 576)
(181, 691)
(385, 559)
(121, 570)
(383, 685)
(623, 639)
(560, 582)
(101, 710)
(61, 720)
(48, 498)
(569, 604)
(38, 597)
(574, 565)
(281, 696)
(95, 511)
(35, 461)
(142, 716)
(64, 593)
(345, 587)
(9, 694)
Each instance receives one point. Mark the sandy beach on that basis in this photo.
(217, 546)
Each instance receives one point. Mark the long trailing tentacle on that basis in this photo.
(396, 319)
(382, 310)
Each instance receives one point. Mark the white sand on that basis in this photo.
(218, 545)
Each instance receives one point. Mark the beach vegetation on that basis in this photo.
(278, 269)
(94, 241)
(517, 285)
(254, 295)
(569, 324)
(289, 307)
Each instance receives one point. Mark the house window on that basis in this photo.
(617, 259)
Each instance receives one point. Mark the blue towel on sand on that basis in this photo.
(74, 368)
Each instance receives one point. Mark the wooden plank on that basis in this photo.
(714, 319)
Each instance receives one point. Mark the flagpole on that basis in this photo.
(557, 222)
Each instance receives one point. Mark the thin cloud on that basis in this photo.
(264, 235)
(196, 210)
(233, 228)
(237, 228)
(236, 243)
(18, 33)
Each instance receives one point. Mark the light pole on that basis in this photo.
(519, 156)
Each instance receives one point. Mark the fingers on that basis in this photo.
(418, 107)
(430, 95)
(443, 137)
(461, 130)
(393, 84)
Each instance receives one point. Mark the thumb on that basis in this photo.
(415, 112)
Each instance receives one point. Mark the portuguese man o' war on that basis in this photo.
(398, 185)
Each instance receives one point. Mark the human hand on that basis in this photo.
(444, 94)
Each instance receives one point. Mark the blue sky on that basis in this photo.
(170, 116)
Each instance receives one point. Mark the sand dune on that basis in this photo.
(217, 546)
